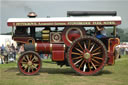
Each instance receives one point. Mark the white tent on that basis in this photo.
(6, 39)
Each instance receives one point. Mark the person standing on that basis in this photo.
(13, 51)
(2, 49)
(7, 53)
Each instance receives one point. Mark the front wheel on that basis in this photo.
(87, 55)
(29, 63)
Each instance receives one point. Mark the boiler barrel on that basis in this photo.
(44, 47)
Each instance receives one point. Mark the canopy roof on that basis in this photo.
(65, 21)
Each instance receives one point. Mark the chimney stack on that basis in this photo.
(32, 15)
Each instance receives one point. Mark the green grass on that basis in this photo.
(51, 74)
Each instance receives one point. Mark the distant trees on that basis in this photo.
(123, 33)
(9, 33)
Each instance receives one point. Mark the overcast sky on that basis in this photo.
(58, 8)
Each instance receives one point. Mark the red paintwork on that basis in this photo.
(58, 55)
(72, 35)
(112, 43)
(57, 50)
(66, 23)
(43, 47)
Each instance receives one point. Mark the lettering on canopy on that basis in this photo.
(66, 23)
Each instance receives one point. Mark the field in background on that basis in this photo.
(51, 74)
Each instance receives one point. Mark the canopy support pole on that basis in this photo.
(114, 31)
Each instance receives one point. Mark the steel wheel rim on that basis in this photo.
(83, 64)
(29, 63)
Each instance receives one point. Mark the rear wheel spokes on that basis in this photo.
(77, 57)
(99, 58)
(92, 48)
(89, 66)
(97, 53)
(81, 64)
(84, 67)
(93, 65)
(78, 50)
(96, 49)
(87, 55)
(95, 61)
(77, 61)
(75, 53)
(80, 46)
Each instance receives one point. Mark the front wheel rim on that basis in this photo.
(29, 63)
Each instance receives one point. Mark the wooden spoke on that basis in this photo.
(32, 69)
(84, 67)
(98, 58)
(24, 62)
(26, 66)
(35, 66)
(30, 56)
(92, 47)
(89, 43)
(27, 57)
(79, 50)
(29, 69)
(77, 57)
(80, 46)
(89, 66)
(77, 61)
(96, 49)
(76, 53)
(93, 65)
(33, 59)
(24, 59)
(95, 61)
(81, 64)
(85, 45)
(96, 53)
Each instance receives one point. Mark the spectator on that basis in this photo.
(2, 49)
(2, 59)
(126, 51)
(13, 49)
(100, 32)
(21, 49)
(6, 53)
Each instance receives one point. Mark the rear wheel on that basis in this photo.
(87, 55)
(29, 63)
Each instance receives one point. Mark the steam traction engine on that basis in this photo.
(70, 40)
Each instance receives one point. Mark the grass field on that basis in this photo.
(51, 74)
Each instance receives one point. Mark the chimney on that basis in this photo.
(32, 15)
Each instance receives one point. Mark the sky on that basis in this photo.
(58, 8)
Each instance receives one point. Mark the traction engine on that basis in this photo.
(70, 41)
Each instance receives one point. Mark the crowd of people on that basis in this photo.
(9, 52)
